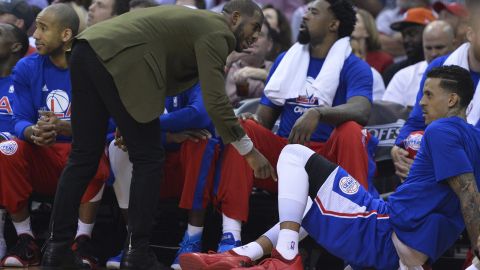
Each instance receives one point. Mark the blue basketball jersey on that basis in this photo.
(356, 79)
(416, 121)
(39, 85)
(424, 211)
(6, 102)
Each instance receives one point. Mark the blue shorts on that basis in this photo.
(351, 224)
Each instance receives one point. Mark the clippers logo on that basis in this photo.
(58, 102)
(306, 100)
(5, 106)
(8, 148)
(348, 185)
(413, 141)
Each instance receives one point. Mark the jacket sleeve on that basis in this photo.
(211, 52)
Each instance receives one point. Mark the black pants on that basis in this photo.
(94, 99)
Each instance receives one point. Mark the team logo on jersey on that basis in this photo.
(8, 148)
(58, 102)
(11, 89)
(348, 185)
(5, 106)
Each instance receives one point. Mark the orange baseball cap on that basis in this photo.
(456, 9)
(414, 16)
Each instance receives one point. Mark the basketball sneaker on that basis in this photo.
(227, 243)
(83, 250)
(114, 262)
(277, 262)
(25, 253)
(214, 261)
(189, 244)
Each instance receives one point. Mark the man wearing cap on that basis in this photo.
(438, 40)
(392, 41)
(456, 14)
(411, 28)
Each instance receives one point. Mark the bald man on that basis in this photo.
(438, 40)
(41, 117)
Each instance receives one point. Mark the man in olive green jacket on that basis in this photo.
(123, 68)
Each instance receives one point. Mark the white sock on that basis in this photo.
(272, 234)
(84, 229)
(233, 226)
(287, 244)
(23, 227)
(194, 230)
(253, 250)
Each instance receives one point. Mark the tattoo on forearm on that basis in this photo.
(466, 189)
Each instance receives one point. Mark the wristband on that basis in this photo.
(244, 145)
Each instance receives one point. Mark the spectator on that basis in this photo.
(41, 117)
(79, 9)
(366, 30)
(13, 46)
(438, 40)
(282, 33)
(18, 13)
(287, 7)
(101, 10)
(392, 41)
(467, 56)
(412, 29)
(378, 85)
(457, 15)
(246, 76)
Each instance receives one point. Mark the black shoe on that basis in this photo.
(139, 259)
(24, 254)
(58, 254)
(83, 251)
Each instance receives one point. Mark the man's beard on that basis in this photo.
(238, 33)
(303, 37)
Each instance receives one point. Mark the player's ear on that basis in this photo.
(67, 35)
(453, 100)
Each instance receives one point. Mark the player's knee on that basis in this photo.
(296, 153)
(347, 129)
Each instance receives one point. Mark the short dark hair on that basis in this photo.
(65, 16)
(21, 37)
(455, 79)
(345, 13)
(247, 7)
(120, 7)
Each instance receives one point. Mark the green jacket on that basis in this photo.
(161, 51)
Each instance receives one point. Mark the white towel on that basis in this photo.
(290, 77)
(460, 58)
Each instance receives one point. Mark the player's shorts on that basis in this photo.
(351, 224)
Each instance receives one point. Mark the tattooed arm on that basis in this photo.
(465, 187)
